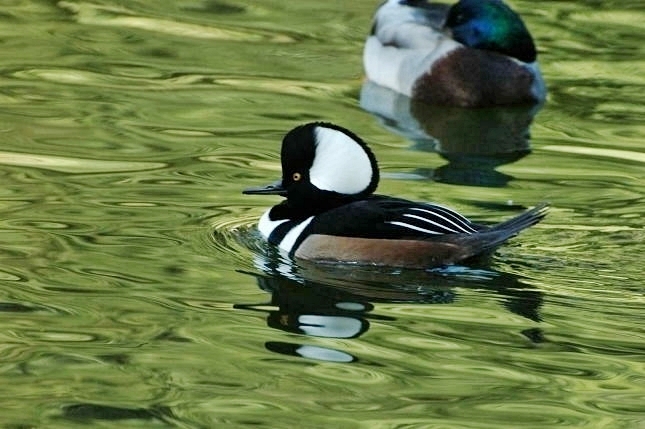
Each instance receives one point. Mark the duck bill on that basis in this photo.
(274, 188)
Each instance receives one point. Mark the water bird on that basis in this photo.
(471, 54)
(331, 213)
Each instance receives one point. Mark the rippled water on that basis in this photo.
(134, 289)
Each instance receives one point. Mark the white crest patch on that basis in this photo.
(341, 164)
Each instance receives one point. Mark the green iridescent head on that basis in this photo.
(493, 26)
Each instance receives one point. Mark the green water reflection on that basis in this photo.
(134, 289)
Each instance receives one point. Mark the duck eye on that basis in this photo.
(296, 177)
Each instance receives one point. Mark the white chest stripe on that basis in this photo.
(266, 225)
(290, 239)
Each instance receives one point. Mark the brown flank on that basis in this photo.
(381, 252)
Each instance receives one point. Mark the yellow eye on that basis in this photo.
(296, 177)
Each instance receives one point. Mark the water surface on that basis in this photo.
(134, 289)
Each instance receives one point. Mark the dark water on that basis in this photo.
(134, 290)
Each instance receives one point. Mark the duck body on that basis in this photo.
(471, 54)
(318, 223)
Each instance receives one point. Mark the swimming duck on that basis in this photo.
(473, 53)
(331, 213)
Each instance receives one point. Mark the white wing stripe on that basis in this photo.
(462, 226)
(452, 213)
(444, 228)
(416, 228)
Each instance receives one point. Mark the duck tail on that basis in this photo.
(503, 231)
(524, 220)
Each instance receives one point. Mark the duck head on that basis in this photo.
(323, 166)
(493, 26)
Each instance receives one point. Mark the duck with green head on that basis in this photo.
(471, 54)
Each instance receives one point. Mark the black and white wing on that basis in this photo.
(391, 218)
(430, 219)
(380, 217)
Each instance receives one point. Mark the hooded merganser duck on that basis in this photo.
(473, 53)
(331, 214)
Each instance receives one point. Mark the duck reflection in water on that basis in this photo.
(473, 141)
(336, 301)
